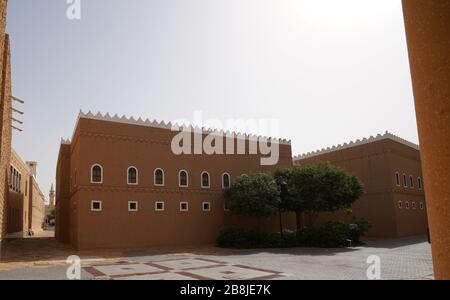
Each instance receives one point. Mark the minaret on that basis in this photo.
(52, 196)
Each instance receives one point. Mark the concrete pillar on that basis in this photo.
(427, 25)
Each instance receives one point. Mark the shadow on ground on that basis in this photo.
(395, 242)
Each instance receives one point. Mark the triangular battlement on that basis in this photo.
(379, 137)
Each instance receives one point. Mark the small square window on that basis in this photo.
(159, 206)
(206, 206)
(132, 206)
(184, 206)
(96, 205)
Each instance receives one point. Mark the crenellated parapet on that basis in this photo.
(371, 139)
(65, 141)
(174, 126)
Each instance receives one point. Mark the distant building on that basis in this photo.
(119, 185)
(390, 169)
(26, 202)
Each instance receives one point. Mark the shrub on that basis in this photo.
(230, 238)
(329, 235)
(334, 234)
(241, 238)
(357, 229)
(289, 238)
(254, 238)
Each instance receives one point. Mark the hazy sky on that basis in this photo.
(330, 71)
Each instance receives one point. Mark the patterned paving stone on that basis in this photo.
(161, 276)
(126, 269)
(187, 264)
(234, 273)
(180, 269)
(407, 258)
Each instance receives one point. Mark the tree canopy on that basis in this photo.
(255, 195)
(320, 187)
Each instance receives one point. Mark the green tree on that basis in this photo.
(254, 195)
(51, 216)
(316, 188)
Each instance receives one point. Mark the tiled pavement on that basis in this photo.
(407, 258)
(189, 268)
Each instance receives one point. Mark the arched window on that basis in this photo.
(411, 182)
(11, 176)
(159, 177)
(19, 186)
(225, 180)
(183, 178)
(205, 180)
(419, 182)
(96, 174)
(397, 178)
(14, 180)
(132, 175)
(405, 181)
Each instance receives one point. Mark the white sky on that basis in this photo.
(330, 71)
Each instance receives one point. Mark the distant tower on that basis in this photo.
(52, 196)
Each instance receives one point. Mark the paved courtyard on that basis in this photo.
(407, 258)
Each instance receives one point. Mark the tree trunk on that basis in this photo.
(281, 223)
(299, 217)
(311, 218)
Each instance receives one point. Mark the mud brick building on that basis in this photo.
(21, 200)
(5, 116)
(390, 169)
(119, 185)
(26, 202)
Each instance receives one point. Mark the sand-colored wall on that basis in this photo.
(26, 206)
(36, 206)
(375, 164)
(63, 195)
(5, 116)
(116, 146)
(427, 26)
(19, 199)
